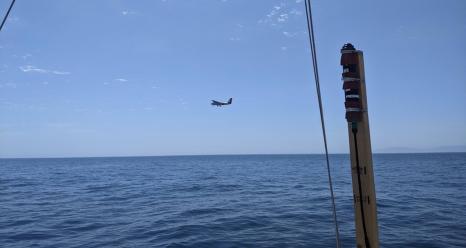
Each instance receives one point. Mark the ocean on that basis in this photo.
(226, 201)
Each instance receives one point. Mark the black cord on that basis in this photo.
(310, 29)
(7, 13)
(358, 171)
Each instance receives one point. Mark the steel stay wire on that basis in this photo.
(310, 29)
(7, 13)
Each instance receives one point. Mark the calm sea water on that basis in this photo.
(226, 201)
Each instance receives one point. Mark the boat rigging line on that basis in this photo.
(354, 130)
(310, 29)
(7, 13)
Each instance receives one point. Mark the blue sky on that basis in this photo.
(106, 78)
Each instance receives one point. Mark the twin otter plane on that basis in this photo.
(219, 104)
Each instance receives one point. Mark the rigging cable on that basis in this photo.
(310, 29)
(7, 13)
(354, 130)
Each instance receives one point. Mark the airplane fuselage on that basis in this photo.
(219, 104)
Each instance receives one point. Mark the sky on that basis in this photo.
(135, 78)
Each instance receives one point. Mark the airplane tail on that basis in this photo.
(230, 101)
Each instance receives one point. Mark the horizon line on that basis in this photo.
(200, 155)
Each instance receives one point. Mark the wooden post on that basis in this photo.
(365, 207)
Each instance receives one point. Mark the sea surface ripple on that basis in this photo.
(226, 201)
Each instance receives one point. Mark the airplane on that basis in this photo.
(219, 104)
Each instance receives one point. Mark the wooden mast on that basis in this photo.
(365, 207)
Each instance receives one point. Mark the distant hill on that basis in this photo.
(421, 150)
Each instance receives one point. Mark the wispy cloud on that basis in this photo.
(26, 56)
(234, 39)
(288, 34)
(182, 101)
(7, 85)
(22, 106)
(270, 18)
(31, 68)
(13, 19)
(121, 80)
(295, 12)
(282, 18)
(237, 32)
(280, 14)
(60, 72)
(293, 34)
(128, 12)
